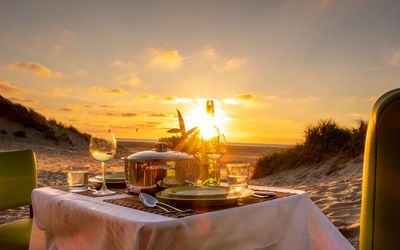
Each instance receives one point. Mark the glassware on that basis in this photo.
(213, 147)
(238, 175)
(103, 147)
(77, 178)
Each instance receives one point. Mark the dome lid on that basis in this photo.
(157, 154)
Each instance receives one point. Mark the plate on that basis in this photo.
(204, 201)
(197, 192)
(110, 178)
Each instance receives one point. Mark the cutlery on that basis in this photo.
(146, 201)
(263, 194)
(151, 201)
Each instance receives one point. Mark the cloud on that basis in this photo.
(395, 59)
(234, 63)
(24, 101)
(114, 114)
(158, 115)
(209, 51)
(132, 81)
(174, 99)
(121, 64)
(33, 67)
(69, 108)
(230, 64)
(109, 106)
(89, 106)
(353, 99)
(165, 57)
(117, 63)
(115, 91)
(147, 97)
(154, 123)
(7, 88)
(242, 98)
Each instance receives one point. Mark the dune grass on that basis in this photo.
(323, 141)
(27, 117)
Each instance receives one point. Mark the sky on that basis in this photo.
(273, 67)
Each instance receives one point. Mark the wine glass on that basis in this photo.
(103, 148)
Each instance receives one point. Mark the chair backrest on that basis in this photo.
(380, 206)
(18, 178)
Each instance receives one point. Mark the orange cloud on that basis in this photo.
(7, 88)
(234, 63)
(209, 51)
(24, 101)
(158, 115)
(69, 108)
(133, 81)
(121, 64)
(89, 106)
(109, 106)
(174, 99)
(165, 57)
(147, 97)
(353, 99)
(242, 98)
(118, 114)
(117, 63)
(115, 91)
(34, 68)
(229, 64)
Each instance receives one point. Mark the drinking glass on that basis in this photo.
(103, 147)
(77, 178)
(238, 175)
(216, 149)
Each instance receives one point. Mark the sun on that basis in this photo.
(206, 123)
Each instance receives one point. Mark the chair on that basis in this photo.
(380, 206)
(18, 178)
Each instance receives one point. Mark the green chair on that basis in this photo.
(18, 178)
(380, 206)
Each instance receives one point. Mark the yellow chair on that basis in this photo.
(18, 178)
(380, 206)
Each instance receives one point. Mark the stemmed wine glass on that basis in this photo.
(103, 147)
(216, 149)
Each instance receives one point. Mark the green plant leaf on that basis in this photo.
(181, 122)
(174, 130)
(190, 131)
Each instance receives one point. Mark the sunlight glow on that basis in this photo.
(199, 117)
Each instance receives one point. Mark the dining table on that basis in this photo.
(65, 220)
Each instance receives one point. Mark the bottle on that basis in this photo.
(210, 153)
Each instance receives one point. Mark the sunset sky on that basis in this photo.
(272, 66)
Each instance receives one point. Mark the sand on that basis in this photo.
(338, 195)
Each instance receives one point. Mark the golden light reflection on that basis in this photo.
(199, 117)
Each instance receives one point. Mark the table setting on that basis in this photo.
(169, 199)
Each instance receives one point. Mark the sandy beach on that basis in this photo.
(337, 195)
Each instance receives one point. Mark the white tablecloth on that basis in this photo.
(71, 221)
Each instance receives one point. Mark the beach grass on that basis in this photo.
(323, 140)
